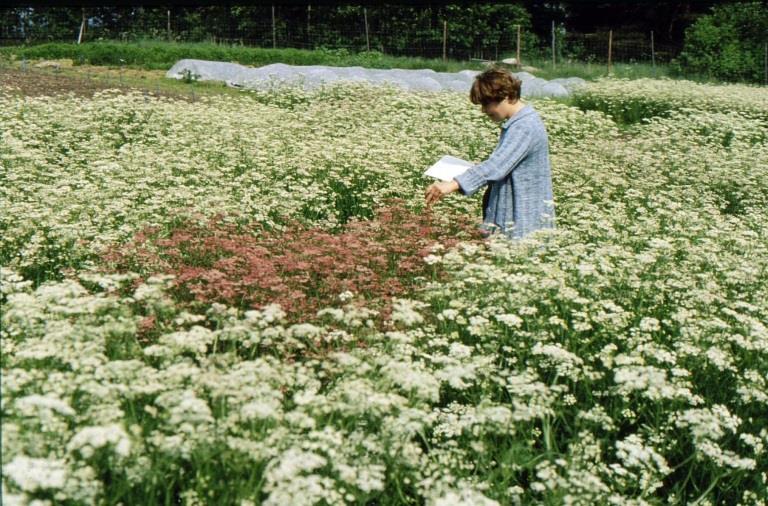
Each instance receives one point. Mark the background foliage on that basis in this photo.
(730, 43)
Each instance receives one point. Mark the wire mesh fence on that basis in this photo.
(431, 34)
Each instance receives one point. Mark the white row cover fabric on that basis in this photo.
(312, 76)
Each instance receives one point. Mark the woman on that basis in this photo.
(518, 198)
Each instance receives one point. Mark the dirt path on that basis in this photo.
(33, 83)
(86, 80)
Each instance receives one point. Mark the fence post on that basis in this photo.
(445, 40)
(367, 37)
(274, 30)
(169, 25)
(553, 43)
(82, 28)
(518, 47)
(610, 48)
(653, 55)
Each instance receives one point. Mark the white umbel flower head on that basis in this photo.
(90, 439)
(36, 474)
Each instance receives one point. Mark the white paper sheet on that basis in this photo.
(448, 167)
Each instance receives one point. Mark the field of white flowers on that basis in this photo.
(621, 359)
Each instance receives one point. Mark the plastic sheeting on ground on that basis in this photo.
(312, 76)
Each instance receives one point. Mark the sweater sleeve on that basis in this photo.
(512, 149)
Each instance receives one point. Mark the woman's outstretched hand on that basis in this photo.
(438, 190)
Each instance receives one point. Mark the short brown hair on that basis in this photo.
(495, 85)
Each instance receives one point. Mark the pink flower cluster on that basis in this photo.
(303, 269)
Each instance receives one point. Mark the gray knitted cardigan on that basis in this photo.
(519, 175)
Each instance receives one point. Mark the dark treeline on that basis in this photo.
(668, 19)
(394, 29)
(474, 29)
(722, 39)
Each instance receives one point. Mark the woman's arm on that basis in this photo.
(513, 148)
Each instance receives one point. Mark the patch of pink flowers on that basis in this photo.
(303, 269)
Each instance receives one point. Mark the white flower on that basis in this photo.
(261, 409)
(404, 312)
(90, 439)
(30, 402)
(448, 314)
(459, 351)
(32, 474)
(149, 292)
(635, 454)
(268, 315)
(511, 320)
(465, 497)
(12, 282)
(273, 313)
(196, 340)
(305, 331)
(368, 478)
(333, 312)
(564, 361)
(649, 381)
(648, 324)
(458, 375)
(477, 325)
(292, 463)
(709, 423)
(586, 269)
(413, 377)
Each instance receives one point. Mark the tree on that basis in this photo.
(728, 43)
(480, 26)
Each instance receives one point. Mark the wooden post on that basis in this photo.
(518, 47)
(610, 49)
(445, 40)
(653, 55)
(274, 30)
(82, 29)
(553, 43)
(169, 25)
(367, 37)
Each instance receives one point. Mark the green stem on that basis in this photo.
(547, 433)
(706, 492)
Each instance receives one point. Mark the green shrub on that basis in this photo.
(154, 55)
(729, 43)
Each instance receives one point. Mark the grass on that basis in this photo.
(591, 71)
(155, 55)
(161, 55)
